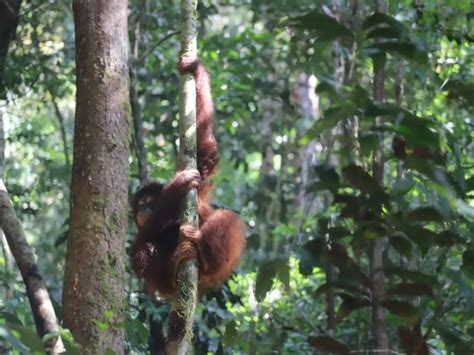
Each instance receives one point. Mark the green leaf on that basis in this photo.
(350, 304)
(331, 118)
(424, 238)
(310, 255)
(401, 244)
(318, 186)
(401, 187)
(346, 283)
(455, 341)
(384, 33)
(12, 340)
(329, 88)
(360, 179)
(231, 333)
(372, 230)
(382, 109)
(470, 184)
(447, 238)
(415, 276)
(72, 348)
(361, 98)
(325, 27)
(461, 91)
(10, 318)
(468, 263)
(328, 176)
(369, 142)
(402, 309)
(410, 290)
(424, 214)
(381, 20)
(391, 36)
(417, 131)
(270, 270)
(28, 337)
(283, 272)
(321, 290)
(408, 50)
(265, 276)
(329, 344)
(338, 232)
(337, 255)
(464, 284)
(379, 58)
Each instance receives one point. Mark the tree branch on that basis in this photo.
(154, 46)
(62, 128)
(40, 301)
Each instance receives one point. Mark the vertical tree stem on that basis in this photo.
(7, 253)
(134, 101)
(182, 310)
(62, 127)
(376, 255)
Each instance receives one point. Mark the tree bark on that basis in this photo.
(7, 253)
(181, 316)
(266, 169)
(138, 129)
(351, 126)
(93, 284)
(398, 100)
(376, 257)
(308, 104)
(41, 306)
(135, 103)
(62, 128)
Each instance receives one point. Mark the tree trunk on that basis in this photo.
(138, 129)
(93, 284)
(134, 101)
(351, 127)
(62, 128)
(7, 254)
(376, 257)
(266, 169)
(181, 316)
(9, 13)
(308, 104)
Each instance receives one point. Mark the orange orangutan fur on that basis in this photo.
(157, 249)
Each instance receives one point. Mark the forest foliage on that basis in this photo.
(301, 179)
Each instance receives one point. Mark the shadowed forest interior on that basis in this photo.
(334, 174)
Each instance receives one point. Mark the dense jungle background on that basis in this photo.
(346, 133)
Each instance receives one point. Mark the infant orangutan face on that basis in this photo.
(144, 210)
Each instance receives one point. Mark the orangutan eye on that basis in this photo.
(145, 202)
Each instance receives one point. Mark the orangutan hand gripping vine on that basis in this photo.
(157, 249)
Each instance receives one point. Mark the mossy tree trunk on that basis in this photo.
(94, 278)
(182, 312)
